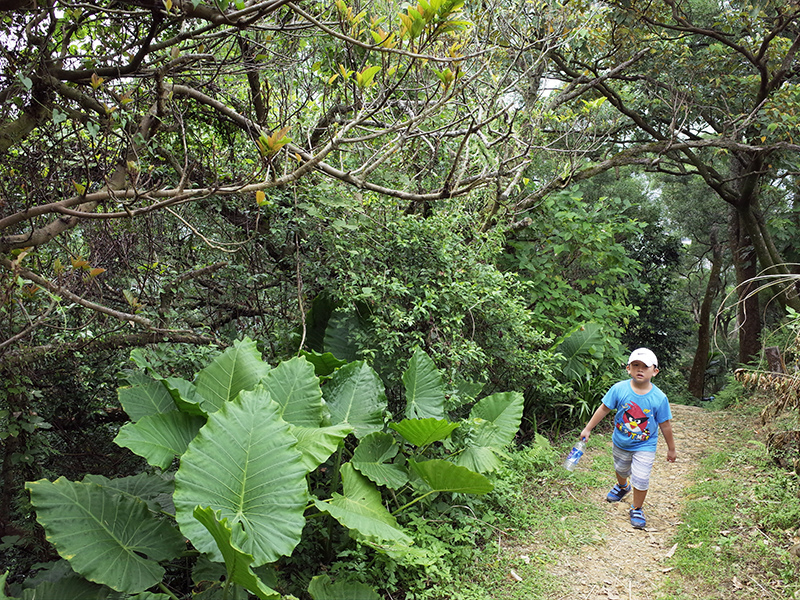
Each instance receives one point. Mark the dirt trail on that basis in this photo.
(626, 563)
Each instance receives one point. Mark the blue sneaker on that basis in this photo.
(617, 493)
(637, 518)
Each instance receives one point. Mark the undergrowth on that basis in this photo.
(542, 512)
(740, 520)
(458, 552)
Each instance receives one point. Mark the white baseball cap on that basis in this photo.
(644, 355)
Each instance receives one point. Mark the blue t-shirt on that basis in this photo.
(638, 416)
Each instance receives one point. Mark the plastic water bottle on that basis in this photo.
(575, 455)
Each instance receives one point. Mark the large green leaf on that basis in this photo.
(467, 389)
(504, 410)
(210, 577)
(355, 396)
(424, 388)
(238, 368)
(373, 456)
(423, 432)
(159, 438)
(360, 509)
(584, 344)
(72, 587)
(58, 580)
(154, 490)
(444, 476)
(107, 537)
(338, 339)
(316, 444)
(145, 396)
(481, 459)
(185, 395)
(324, 364)
(494, 422)
(295, 387)
(237, 563)
(321, 588)
(480, 452)
(244, 464)
(316, 322)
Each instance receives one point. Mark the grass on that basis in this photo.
(546, 514)
(740, 518)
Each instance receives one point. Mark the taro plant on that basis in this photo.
(584, 350)
(232, 451)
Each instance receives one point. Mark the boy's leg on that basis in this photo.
(622, 469)
(641, 465)
(622, 464)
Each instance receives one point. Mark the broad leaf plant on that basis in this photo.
(232, 452)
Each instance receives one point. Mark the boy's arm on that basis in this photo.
(598, 415)
(666, 429)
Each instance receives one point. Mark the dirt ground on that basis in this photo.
(629, 564)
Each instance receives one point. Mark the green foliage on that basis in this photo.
(664, 210)
(400, 264)
(589, 363)
(573, 259)
(583, 350)
(782, 512)
(19, 419)
(415, 282)
(241, 493)
(109, 538)
(662, 322)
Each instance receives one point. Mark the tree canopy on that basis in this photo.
(144, 145)
(135, 134)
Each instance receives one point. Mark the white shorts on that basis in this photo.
(634, 464)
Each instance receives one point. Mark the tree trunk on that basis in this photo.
(747, 170)
(697, 377)
(775, 362)
(748, 311)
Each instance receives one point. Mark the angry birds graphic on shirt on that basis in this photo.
(633, 421)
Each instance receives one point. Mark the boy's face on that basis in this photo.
(641, 372)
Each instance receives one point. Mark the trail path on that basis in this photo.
(629, 564)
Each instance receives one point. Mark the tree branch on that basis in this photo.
(60, 291)
(21, 356)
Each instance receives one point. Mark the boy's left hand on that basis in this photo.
(672, 455)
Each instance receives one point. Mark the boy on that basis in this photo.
(640, 406)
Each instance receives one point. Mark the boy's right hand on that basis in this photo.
(584, 435)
